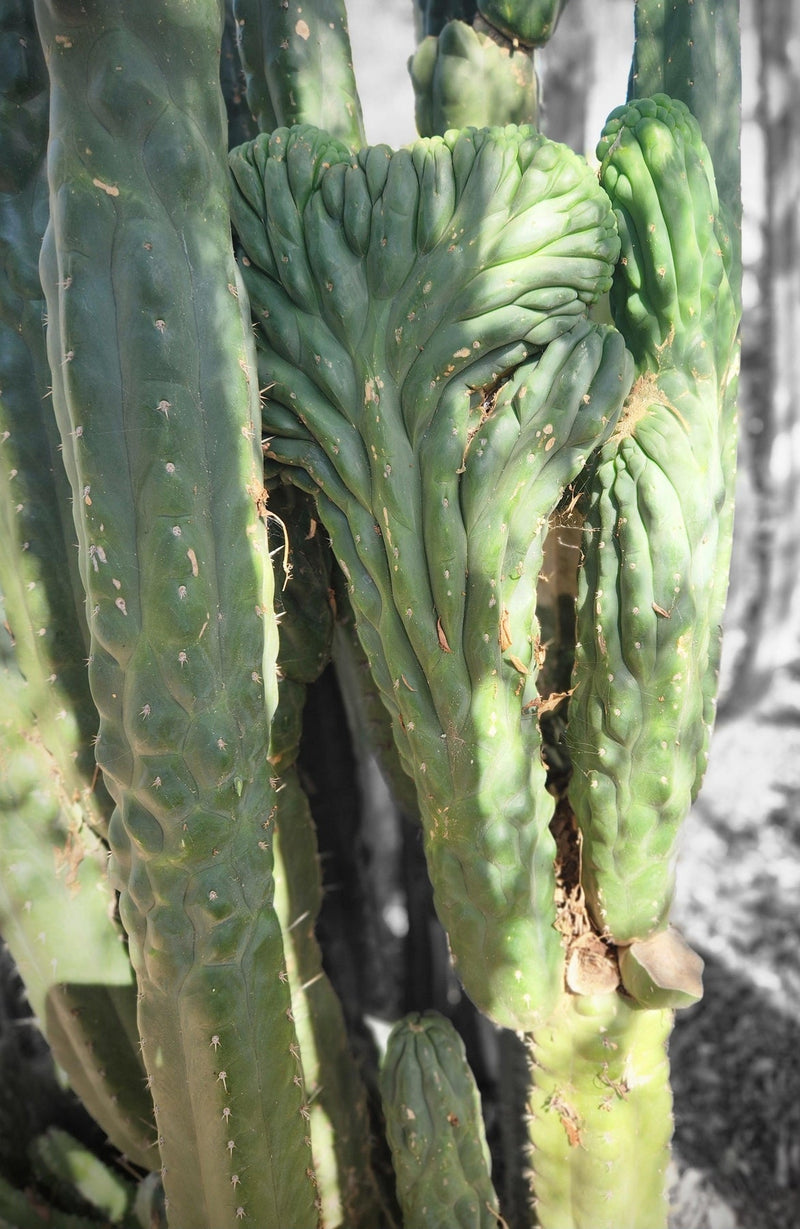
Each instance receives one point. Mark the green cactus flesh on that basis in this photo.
(657, 536)
(433, 15)
(530, 22)
(435, 1128)
(402, 301)
(337, 1107)
(66, 1164)
(56, 910)
(299, 66)
(692, 52)
(154, 389)
(601, 1115)
(465, 78)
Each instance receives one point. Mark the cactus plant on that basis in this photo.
(180, 668)
(435, 389)
(465, 78)
(435, 1128)
(396, 445)
(647, 607)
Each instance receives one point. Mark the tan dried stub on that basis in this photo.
(591, 963)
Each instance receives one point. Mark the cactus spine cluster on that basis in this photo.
(433, 388)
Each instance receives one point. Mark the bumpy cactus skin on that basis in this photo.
(690, 52)
(531, 22)
(436, 495)
(600, 1108)
(435, 1128)
(650, 596)
(465, 78)
(299, 65)
(154, 389)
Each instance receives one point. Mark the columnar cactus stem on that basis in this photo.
(467, 77)
(299, 66)
(435, 1128)
(154, 390)
(56, 908)
(601, 1115)
(691, 52)
(651, 593)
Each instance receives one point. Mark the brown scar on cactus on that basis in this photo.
(591, 961)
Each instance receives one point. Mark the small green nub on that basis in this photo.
(435, 1128)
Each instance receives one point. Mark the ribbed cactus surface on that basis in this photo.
(299, 65)
(655, 555)
(155, 393)
(400, 297)
(435, 1128)
(56, 908)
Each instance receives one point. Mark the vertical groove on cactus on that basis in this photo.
(154, 388)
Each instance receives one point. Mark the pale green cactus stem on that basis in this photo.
(651, 594)
(155, 393)
(601, 1115)
(68, 1166)
(393, 304)
(692, 52)
(467, 77)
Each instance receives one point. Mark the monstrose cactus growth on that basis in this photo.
(278, 406)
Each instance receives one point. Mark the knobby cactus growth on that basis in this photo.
(462, 349)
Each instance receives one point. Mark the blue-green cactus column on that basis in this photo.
(155, 392)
